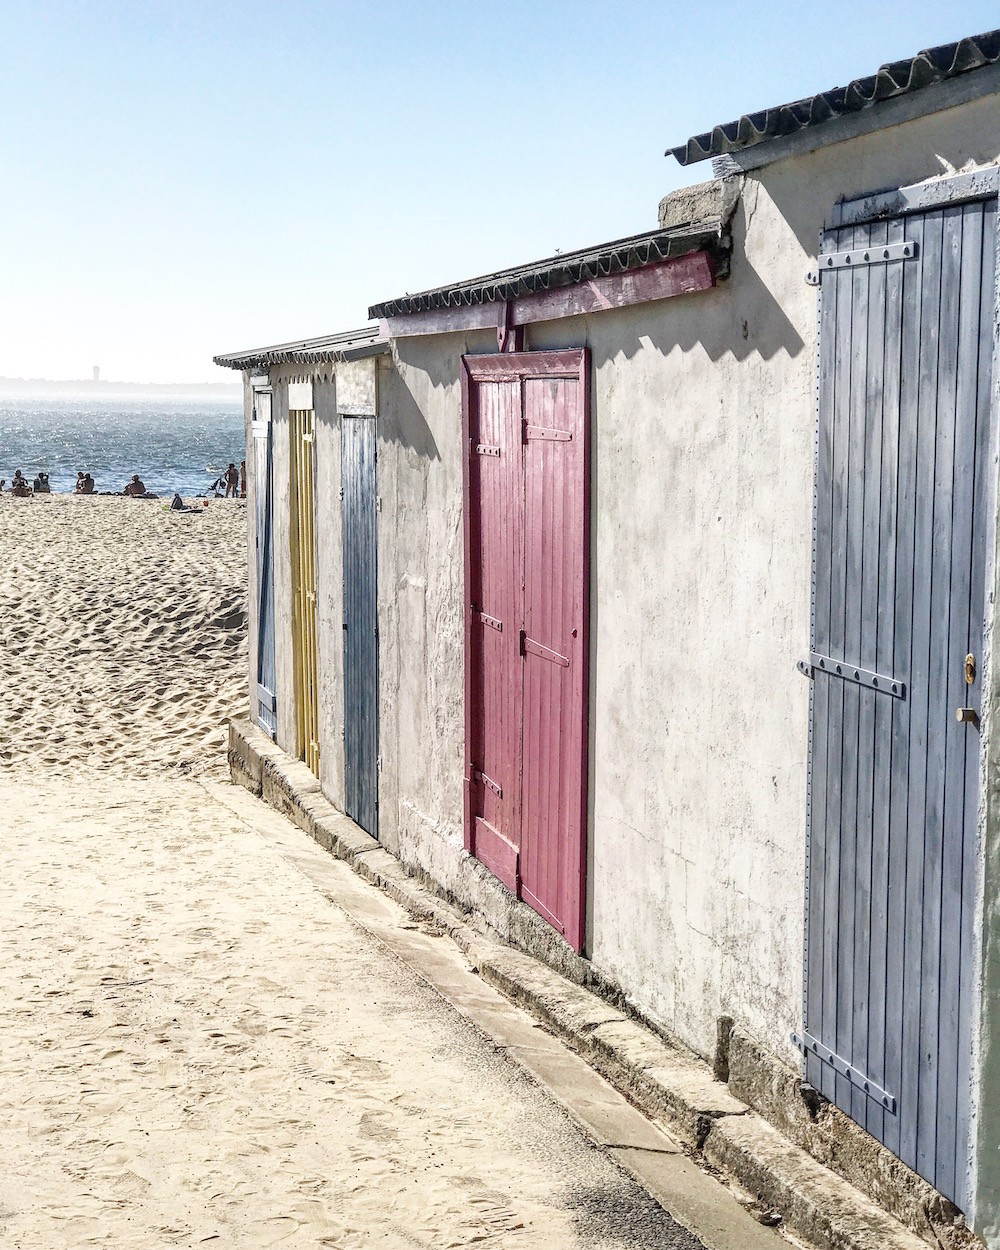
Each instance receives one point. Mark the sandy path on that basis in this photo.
(199, 1048)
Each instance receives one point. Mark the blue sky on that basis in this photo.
(187, 178)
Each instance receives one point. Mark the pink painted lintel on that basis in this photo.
(682, 276)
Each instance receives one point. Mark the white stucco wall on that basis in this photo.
(421, 593)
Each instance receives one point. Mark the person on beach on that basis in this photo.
(135, 487)
(78, 488)
(87, 486)
(243, 479)
(19, 486)
(232, 480)
(41, 484)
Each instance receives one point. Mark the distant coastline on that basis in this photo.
(43, 388)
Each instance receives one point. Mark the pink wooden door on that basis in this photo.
(527, 573)
(495, 525)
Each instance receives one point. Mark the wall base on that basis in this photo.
(798, 1159)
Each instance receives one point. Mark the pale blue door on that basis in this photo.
(266, 700)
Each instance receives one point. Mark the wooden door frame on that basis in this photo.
(517, 367)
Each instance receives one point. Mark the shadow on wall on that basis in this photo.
(738, 318)
(433, 362)
(408, 426)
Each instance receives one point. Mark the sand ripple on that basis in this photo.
(122, 632)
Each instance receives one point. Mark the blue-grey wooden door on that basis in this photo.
(265, 698)
(904, 506)
(359, 536)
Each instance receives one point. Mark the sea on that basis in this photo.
(174, 444)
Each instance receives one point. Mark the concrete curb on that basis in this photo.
(664, 1082)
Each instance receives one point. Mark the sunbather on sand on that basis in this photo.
(135, 487)
(19, 486)
(87, 485)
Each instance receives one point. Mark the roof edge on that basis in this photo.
(326, 349)
(563, 270)
(910, 77)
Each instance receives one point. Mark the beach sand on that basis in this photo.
(198, 1046)
(123, 633)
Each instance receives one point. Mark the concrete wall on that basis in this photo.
(421, 593)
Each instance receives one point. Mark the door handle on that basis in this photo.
(968, 715)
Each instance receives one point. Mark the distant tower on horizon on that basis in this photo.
(97, 373)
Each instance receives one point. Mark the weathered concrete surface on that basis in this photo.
(816, 1204)
(201, 1046)
(669, 1084)
(777, 1093)
(704, 202)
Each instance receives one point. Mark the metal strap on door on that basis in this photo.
(857, 257)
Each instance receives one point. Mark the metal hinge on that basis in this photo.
(880, 254)
(378, 763)
(810, 1045)
(485, 449)
(378, 503)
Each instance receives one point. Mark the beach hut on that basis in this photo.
(679, 552)
(310, 416)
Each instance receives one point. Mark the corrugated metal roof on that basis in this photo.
(328, 348)
(897, 78)
(633, 252)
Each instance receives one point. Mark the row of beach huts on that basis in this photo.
(641, 600)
